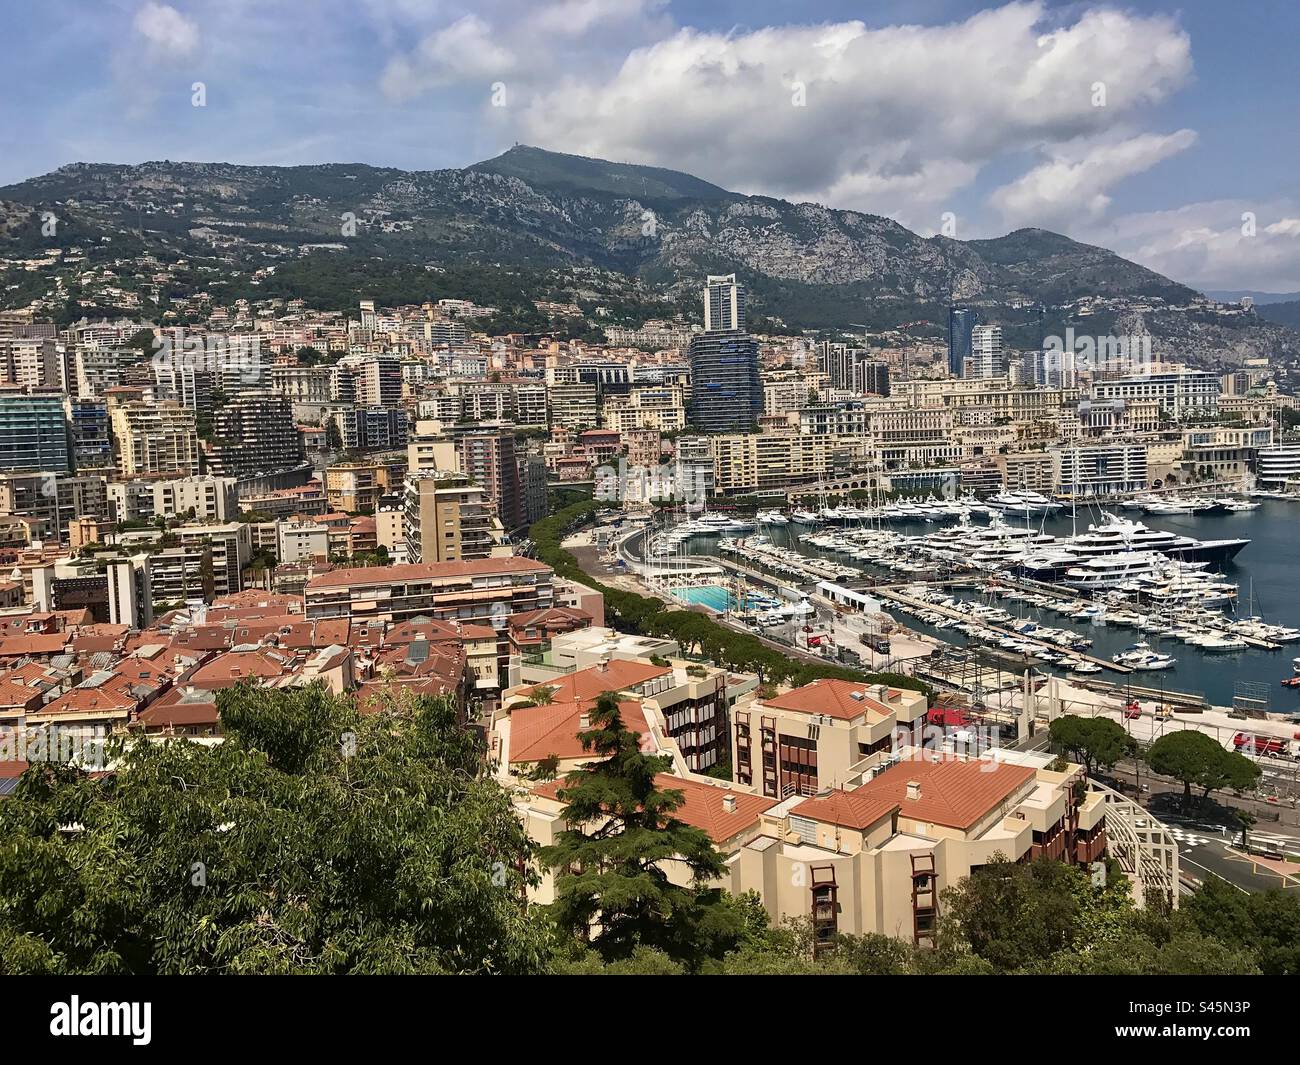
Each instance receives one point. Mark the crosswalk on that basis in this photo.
(1188, 837)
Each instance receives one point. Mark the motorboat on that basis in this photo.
(1022, 502)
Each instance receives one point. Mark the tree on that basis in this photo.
(613, 860)
(312, 840)
(1098, 742)
(1195, 759)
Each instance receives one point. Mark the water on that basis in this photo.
(1270, 563)
(709, 595)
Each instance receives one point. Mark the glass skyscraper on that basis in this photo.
(961, 324)
(726, 391)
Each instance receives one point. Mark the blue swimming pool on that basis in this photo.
(710, 595)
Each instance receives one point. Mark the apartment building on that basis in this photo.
(908, 437)
(230, 546)
(1181, 393)
(448, 518)
(661, 408)
(817, 736)
(254, 433)
(1098, 470)
(34, 432)
(485, 590)
(51, 501)
(154, 440)
(359, 486)
(210, 498)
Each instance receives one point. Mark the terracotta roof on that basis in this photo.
(850, 809)
(413, 571)
(834, 698)
(702, 805)
(539, 731)
(954, 793)
(229, 669)
(618, 674)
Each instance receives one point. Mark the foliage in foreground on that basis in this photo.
(313, 840)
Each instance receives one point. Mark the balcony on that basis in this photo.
(1087, 851)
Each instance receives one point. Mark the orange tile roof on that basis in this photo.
(850, 809)
(618, 674)
(954, 793)
(539, 731)
(834, 698)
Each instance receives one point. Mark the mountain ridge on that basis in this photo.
(810, 265)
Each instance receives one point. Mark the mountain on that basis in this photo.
(531, 209)
(1260, 298)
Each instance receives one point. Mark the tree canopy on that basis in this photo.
(1197, 760)
(313, 840)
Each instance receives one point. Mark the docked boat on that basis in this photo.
(1022, 502)
(1141, 657)
(1112, 571)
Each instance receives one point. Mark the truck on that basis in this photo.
(1265, 746)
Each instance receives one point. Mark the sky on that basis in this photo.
(1166, 132)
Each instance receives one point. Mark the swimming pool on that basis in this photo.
(710, 595)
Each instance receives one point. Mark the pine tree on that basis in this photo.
(614, 859)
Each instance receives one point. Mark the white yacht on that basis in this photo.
(804, 517)
(1022, 502)
(1111, 571)
(1140, 656)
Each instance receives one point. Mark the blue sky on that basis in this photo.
(1163, 131)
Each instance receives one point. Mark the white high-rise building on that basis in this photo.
(724, 303)
(985, 359)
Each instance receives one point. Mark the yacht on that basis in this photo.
(1120, 534)
(772, 517)
(1140, 656)
(804, 517)
(1111, 571)
(1022, 502)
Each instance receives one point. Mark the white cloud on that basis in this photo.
(466, 51)
(169, 33)
(894, 118)
(1212, 244)
(1072, 186)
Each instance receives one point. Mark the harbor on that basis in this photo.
(1210, 618)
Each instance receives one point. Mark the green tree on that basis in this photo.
(613, 860)
(1097, 742)
(1196, 760)
(312, 840)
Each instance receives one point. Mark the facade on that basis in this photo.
(447, 518)
(961, 323)
(154, 440)
(359, 486)
(1101, 469)
(229, 546)
(489, 459)
(482, 591)
(1181, 393)
(34, 432)
(254, 433)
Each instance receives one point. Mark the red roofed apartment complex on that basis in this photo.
(482, 590)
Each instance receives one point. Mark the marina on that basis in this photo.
(1197, 599)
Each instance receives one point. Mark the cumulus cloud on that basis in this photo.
(466, 51)
(876, 119)
(1216, 244)
(169, 34)
(1073, 184)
